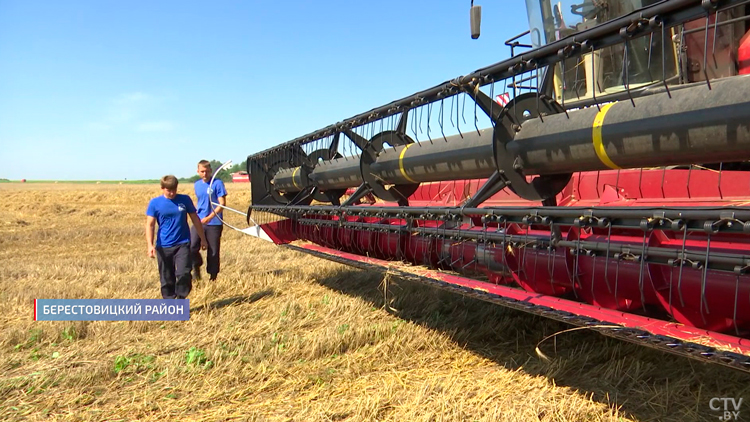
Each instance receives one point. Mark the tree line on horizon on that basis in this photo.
(225, 175)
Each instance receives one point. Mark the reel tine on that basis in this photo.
(441, 120)
(705, 51)
(523, 247)
(453, 100)
(485, 245)
(429, 119)
(458, 124)
(663, 176)
(376, 234)
(504, 246)
(562, 89)
(736, 299)
(492, 103)
(536, 260)
(515, 94)
(648, 62)
(704, 302)
(552, 271)
(476, 119)
(626, 71)
(344, 151)
(596, 81)
(463, 108)
(412, 225)
(671, 281)
(418, 112)
(713, 46)
(682, 265)
(641, 270)
(664, 58)
(421, 114)
(607, 259)
(414, 128)
(617, 275)
(551, 252)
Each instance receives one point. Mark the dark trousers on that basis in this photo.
(213, 237)
(174, 271)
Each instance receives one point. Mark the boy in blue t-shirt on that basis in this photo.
(172, 249)
(212, 219)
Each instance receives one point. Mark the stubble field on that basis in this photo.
(283, 336)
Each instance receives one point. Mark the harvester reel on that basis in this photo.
(651, 245)
(298, 198)
(392, 193)
(315, 157)
(520, 109)
(277, 196)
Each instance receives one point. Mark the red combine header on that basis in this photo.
(240, 177)
(609, 188)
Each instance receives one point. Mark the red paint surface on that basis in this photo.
(708, 301)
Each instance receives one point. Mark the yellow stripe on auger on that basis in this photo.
(596, 136)
(294, 173)
(401, 164)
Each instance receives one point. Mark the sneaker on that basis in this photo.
(196, 273)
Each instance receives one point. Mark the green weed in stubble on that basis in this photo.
(277, 340)
(197, 358)
(133, 363)
(35, 335)
(69, 333)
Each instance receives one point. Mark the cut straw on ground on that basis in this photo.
(283, 336)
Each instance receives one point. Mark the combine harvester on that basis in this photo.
(609, 189)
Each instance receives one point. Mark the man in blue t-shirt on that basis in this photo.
(172, 249)
(212, 218)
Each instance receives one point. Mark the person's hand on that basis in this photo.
(151, 252)
(205, 220)
(204, 244)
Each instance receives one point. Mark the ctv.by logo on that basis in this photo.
(728, 405)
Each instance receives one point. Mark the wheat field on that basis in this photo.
(283, 336)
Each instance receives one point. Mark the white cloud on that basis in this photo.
(161, 126)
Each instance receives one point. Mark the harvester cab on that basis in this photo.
(606, 190)
(668, 55)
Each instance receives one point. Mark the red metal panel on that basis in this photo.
(653, 326)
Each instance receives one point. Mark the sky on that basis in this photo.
(112, 90)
